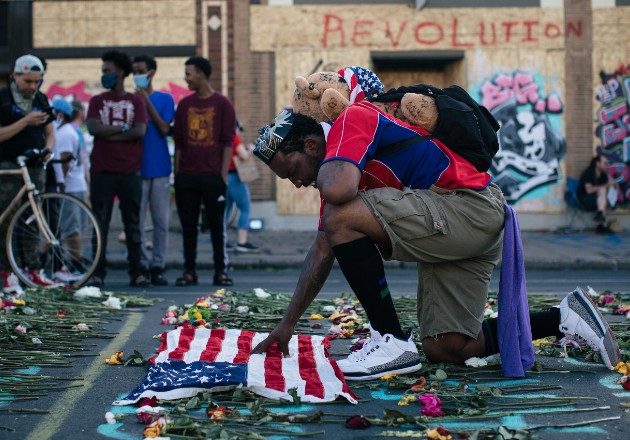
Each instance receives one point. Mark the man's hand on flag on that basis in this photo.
(281, 335)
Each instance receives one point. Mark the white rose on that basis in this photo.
(260, 293)
(88, 291)
(113, 303)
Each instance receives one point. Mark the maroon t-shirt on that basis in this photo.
(117, 156)
(203, 128)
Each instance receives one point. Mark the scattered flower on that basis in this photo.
(82, 327)
(418, 387)
(406, 399)
(475, 362)
(357, 422)
(329, 309)
(217, 414)
(152, 431)
(592, 292)
(20, 328)
(113, 303)
(88, 292)
(28, 311)
(315, 325)
(432, 405)
(389, 376)
(110, 418)
(116, 359)
(623, 368)
(315, 316)
(260, 293)
(242, 309)
(439, 433)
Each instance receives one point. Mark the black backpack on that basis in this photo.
(467, 128)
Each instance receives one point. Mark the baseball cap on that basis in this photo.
(272, 135)
(29, 64)
(63, 106)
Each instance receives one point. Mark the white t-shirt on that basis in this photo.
(67, 141)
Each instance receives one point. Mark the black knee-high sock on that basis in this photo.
(362, 265)
(544, 324)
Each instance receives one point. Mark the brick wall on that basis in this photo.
(249, 75)
(578, 93)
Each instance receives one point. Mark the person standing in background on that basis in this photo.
(118, 120)
(70, 177)
(238, 192)
(83, 160)
(156, 166)
(25, 122)
(205, 125)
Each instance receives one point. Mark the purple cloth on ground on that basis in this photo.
(514, 330)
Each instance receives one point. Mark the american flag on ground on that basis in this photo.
(190, 361)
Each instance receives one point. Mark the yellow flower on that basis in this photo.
(18, 302)
(623, 368)
(116, 359)
(151, 431)
(389, 376)
(202, 303)
(407, 399)
(197, 315)
(219, 292)
(336, 315)
(541, 341)
(316, 316)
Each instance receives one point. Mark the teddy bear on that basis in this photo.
(324, 95)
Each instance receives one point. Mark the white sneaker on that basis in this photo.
(10, 283)
(581, 321)
(65, 276)
(39, 278)
(380, 355)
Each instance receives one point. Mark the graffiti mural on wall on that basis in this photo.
(613, 125)
(78, 91)
(531, 146)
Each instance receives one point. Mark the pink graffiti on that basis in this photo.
(178, 92)
(606, 115)
(77, 91)
(614, 133)
(523, 88)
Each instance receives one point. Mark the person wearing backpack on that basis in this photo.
(423, 204)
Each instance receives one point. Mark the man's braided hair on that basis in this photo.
(302, 126)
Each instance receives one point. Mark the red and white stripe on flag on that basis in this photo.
(308, 369)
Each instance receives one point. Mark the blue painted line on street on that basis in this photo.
(111, 431)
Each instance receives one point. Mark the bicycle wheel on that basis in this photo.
(73, 253)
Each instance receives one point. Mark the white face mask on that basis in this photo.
(141, 81)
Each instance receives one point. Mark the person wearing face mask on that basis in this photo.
(156, 166)
(118, 121)
(25, 122)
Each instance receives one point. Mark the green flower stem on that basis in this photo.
(24, 410)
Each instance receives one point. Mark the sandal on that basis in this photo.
(140, 281)
(187, 279)
(222, 279)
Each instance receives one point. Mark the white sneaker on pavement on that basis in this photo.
(581, 321)
(10, 283)
(381, 354)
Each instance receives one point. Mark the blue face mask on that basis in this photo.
(141, 81)
(109, 80)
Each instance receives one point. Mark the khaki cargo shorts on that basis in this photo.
(456, 237)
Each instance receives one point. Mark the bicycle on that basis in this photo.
(54, 232)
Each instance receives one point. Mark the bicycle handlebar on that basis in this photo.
(39, 154)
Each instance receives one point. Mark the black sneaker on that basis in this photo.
(246, 247)
(157, 277)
